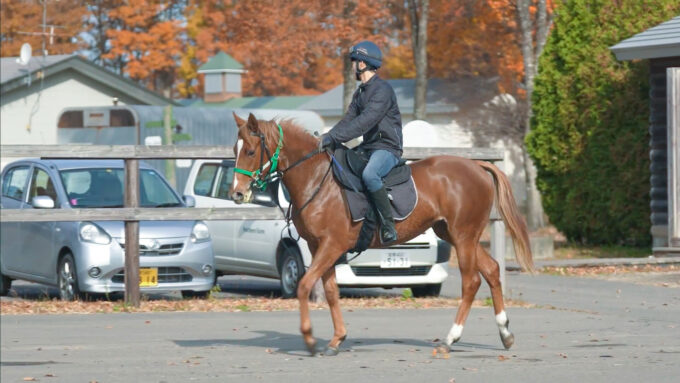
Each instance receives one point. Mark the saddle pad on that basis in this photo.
(403, 198)
(349, 179)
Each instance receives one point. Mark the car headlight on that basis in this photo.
(89, 232)
(200, 232)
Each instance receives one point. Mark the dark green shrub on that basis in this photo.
(589, 136)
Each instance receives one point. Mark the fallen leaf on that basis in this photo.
(563, 355)
(268, 350)
(147, 322)
(30, 379)
(452, 380)
(502, 358)
(50, 376)
(469, 369)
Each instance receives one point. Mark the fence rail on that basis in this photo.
(142, 152)
(132, 213)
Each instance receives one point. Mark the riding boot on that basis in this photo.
(382, 206)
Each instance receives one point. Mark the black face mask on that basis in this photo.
(358, 72)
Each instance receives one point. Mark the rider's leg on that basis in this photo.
(380, 163)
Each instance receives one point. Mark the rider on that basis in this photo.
(373, 113)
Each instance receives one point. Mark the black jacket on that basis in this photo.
(373, 113)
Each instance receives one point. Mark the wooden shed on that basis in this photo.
(660, 45)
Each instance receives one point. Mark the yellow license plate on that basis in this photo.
(148, 277)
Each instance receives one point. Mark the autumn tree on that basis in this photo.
(147, 41)
(22, 22)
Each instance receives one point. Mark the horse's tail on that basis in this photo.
(513, 219)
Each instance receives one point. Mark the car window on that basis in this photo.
(103, 187)
(14, 183)
(226, 177)
(155, 192)
(41, 185)
(204, 179)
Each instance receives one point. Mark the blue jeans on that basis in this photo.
(380, 163)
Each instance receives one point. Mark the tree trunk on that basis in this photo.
(348, 79)
(530, 56)
(419, 44)
(349, 82)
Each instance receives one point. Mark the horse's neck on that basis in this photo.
(303, 179)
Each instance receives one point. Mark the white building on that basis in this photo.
(33, 95)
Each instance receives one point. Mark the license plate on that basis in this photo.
(395, 261)
(148, 277)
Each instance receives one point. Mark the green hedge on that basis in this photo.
(590, 138)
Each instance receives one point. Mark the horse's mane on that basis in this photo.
(291, 131)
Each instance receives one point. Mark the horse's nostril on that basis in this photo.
(237, 196)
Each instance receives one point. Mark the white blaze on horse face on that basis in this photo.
(502, 322)
(455, 334)
(239, 146)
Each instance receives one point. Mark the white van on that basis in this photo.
(265, 248)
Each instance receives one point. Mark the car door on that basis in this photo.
(206, 190)
(256, 242)
(38, 242)
(14, 184)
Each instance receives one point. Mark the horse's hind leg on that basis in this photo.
(330, 286)
(470, 284)
(491, 272)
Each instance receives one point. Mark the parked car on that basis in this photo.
(88, 257)
(266, 248)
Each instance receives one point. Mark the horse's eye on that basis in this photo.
(250, 153)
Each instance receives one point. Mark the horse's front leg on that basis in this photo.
(323, 259)
(330, 286)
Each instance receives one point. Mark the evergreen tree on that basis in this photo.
(590, 126)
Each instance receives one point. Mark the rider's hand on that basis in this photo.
(326, 142)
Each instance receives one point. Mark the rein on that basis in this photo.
(259, 181)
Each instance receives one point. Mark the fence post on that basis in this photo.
(132, 234)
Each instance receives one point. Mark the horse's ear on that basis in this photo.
(252, 123)
(239, 121)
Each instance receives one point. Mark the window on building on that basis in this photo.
(71, 119)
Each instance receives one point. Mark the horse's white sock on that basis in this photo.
(454, 334)
(502, 322)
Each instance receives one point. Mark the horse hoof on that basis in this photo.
(508, 341)
(331, 351)
(442, 348)
(312, 349)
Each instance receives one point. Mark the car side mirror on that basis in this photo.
(42, 202)
(189, 201)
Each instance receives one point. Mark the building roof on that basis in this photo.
(660, 41)
(442, 96)
(221, 62)
(14, 76)
(268, 102)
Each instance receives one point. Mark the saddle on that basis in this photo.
(348, 165)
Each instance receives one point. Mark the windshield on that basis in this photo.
(103, 187)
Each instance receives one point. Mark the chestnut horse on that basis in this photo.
(455, 197)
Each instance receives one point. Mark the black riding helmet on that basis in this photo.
(367, 52)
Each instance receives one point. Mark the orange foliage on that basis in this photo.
(148, 41)
(475, 39)
(27, 16)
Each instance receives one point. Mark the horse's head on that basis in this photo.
(256, 153)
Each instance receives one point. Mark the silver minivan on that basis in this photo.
(88, 257)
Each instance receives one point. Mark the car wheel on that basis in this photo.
(5, 284)
(195, 294)
(426, 290)
(68, 279)
(291, 270)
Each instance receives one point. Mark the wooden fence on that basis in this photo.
(131, 213)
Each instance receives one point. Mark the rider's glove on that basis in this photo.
(326, 142)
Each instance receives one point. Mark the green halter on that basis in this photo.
(261, 183)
